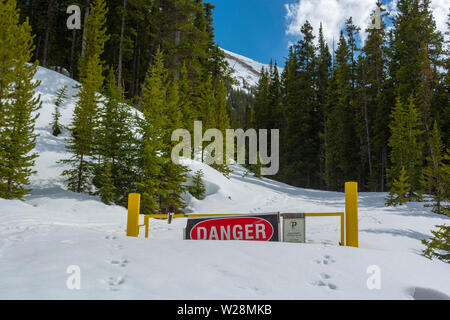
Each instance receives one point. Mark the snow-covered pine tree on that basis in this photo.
(61, 95)
(17, 102)
(81, 144)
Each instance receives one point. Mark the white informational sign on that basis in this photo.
(294, 227)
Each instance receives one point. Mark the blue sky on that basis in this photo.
(263, 29)
(253, 28)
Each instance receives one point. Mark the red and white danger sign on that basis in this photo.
(261, 227)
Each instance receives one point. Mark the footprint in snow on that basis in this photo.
(115, 282)
(120, 263)
(111, 237)
(323, 282)
(326, 260)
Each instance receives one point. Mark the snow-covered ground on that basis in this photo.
(53, 229)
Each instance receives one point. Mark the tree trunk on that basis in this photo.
(83, 45)
(50, 12)
(122, 31)
(176, 57)
(72, 53)
(80, 174)
(366, 120)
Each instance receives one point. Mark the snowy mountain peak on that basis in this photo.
(245, 70)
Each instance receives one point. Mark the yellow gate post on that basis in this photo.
(351, 214)
(134, 205)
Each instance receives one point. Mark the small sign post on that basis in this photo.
(294, 227)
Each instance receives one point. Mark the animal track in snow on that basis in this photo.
(324, 282)
(326, 260)
(120, 263)
(115, 282)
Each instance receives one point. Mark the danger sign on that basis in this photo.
(261, 227)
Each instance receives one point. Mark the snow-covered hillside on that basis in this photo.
(53, 229)
(246, 71)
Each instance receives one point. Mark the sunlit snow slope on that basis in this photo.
(245, 71)
(53, 229)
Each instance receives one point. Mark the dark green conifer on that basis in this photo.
(439, 245)
(197, 189)
(433, 179)
(400, 190)
(18, 105)
(85, 120)
(406, 145)
(61, 95)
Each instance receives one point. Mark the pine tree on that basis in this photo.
(222, 123)
(255, 168)
(433, 175)
(174, 174)
(301, 154)
(197, 190)
(162, 180)
(151, 131)
(17, 103)
(342, 150)
(416, 48)
(106, 190)
(275, 112)
(261, 101)
(444, 90)
(85, 117)
(400, 189)
(323, 74)
(61, 95)
(406, 145)
(114, 170)
(188, 112)
(352, 33)
(439, 245)
(446, 174)
(373, 95)
(206, 105)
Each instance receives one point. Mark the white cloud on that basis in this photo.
(333, 13)
(440, 10)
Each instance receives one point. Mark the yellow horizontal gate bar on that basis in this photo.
(349, 219)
